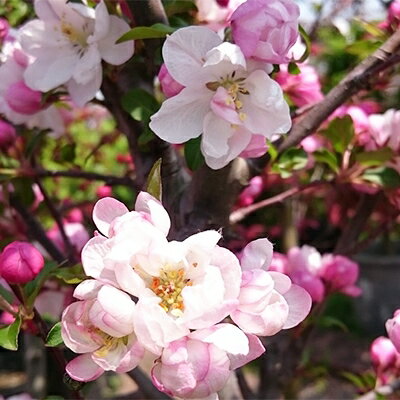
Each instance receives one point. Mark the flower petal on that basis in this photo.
(257, 255)
(83, 369)
(299, 302)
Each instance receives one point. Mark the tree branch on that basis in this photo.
(145, 385)
(356, 80)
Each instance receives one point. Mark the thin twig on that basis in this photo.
(145, 385)
(247, 393)
(241, 213)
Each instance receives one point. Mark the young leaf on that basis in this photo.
(9, 335)
(193, 156)
(293, 68)
(307, 42)
(146, 32)
(71, 275)
(374, 158)
(140, 104)
(340, 133)
(327, 157)
(383, 176)
(154, 184)
(54, 337)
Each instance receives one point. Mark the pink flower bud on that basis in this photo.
(4, 28)
(7, 135)
(266, 30)
(23, 99)
(20, 262)
(383, 353)
(251, 192)
(169, 86)
(104, 191)
(393, 329)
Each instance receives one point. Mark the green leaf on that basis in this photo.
(54, 337)
(307, 42)
(327, 157)
(178, 7)
(273, 152)
(68, 152)
(291, 160)
(140, 104)
(328, 321)
(9, 335)
(293, 68)
(355, 379)
(71, 275)
(383, 176)
(193, 156)
(31, 289)
(374, 158)
(340, 133)
(154, 184)
(8, 296)
(146, 32)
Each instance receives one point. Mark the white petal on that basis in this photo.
(88, 65)
(102, 21)
(116, 54)
(257, 255)
(184, 54)
(299, 302)
(180, 118)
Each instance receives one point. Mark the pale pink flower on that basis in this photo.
(384, 129)
(20, 262)
(268, 301)
(303, 88)
(100, 328)
(199, 365)
(68, 43)
(266, 30)
(224, 98)
(385, 359)
(393, 329)
(216, 14)
(180, 285)
(169, 86)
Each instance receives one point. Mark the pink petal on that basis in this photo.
(83, 369)
(105, 211)
(257, 254)
(299, 305)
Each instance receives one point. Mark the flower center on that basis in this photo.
(168, 286)
(75, 36)
(107, 342)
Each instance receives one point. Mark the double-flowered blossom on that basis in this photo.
(266, 30)
(173, 299)
(231, 102)
(68, 43)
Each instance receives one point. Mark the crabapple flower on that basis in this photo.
(266, 30)
(68, 43)
(4, 28)
(179, 285)
(76, 233)
(169, 86)
(385, 359)
(393, 329)
(251, 192)
(225, 99)
(216, 13)
(384, 129)
(7, 135)
(100, 328)
(268, 301)
(20, 262)
(198, 365)
(303, 88)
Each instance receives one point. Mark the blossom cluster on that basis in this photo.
(190, 304)
(319, 275)
(65, 46)
(222, 90)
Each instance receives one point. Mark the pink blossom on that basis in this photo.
(20, 262)
(256, 147)
(68, 43)
(4, 28)
(312, 143)
(303, 88)
(251, 192)
(22, 99)
(100, 328)
(266, 30)
(226, 99)
(340, 274)
(8, 135)
(169, 86)
(385, 358)
(199, 365)
(216, 13)
(104, 191)
(180, 285)
(268, 301)
(393, 329)
(384, 129)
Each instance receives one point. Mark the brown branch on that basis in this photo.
(36, 231)
(90, 176)
(146, 386)
(356, 80)
(241, 213)
(58, 220)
